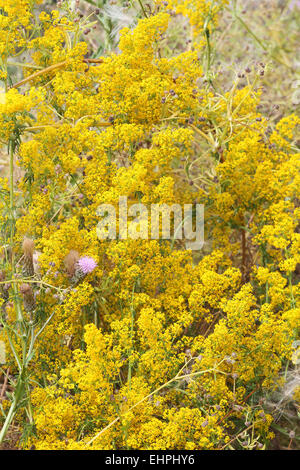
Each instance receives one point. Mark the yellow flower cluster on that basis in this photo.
(199, 12)
(15, 26)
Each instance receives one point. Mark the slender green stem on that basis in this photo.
(22, 385)
(143, 8)
(259, 41)
(250, 31)
(18, 395)
(208, 48)
(12, 231)
(11, 201)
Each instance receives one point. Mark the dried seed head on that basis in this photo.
(70, 262)
(28, 248)
(28, 297)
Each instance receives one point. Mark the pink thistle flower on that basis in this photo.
(86, 264)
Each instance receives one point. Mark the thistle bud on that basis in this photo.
(28, 297)
(28, 248)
